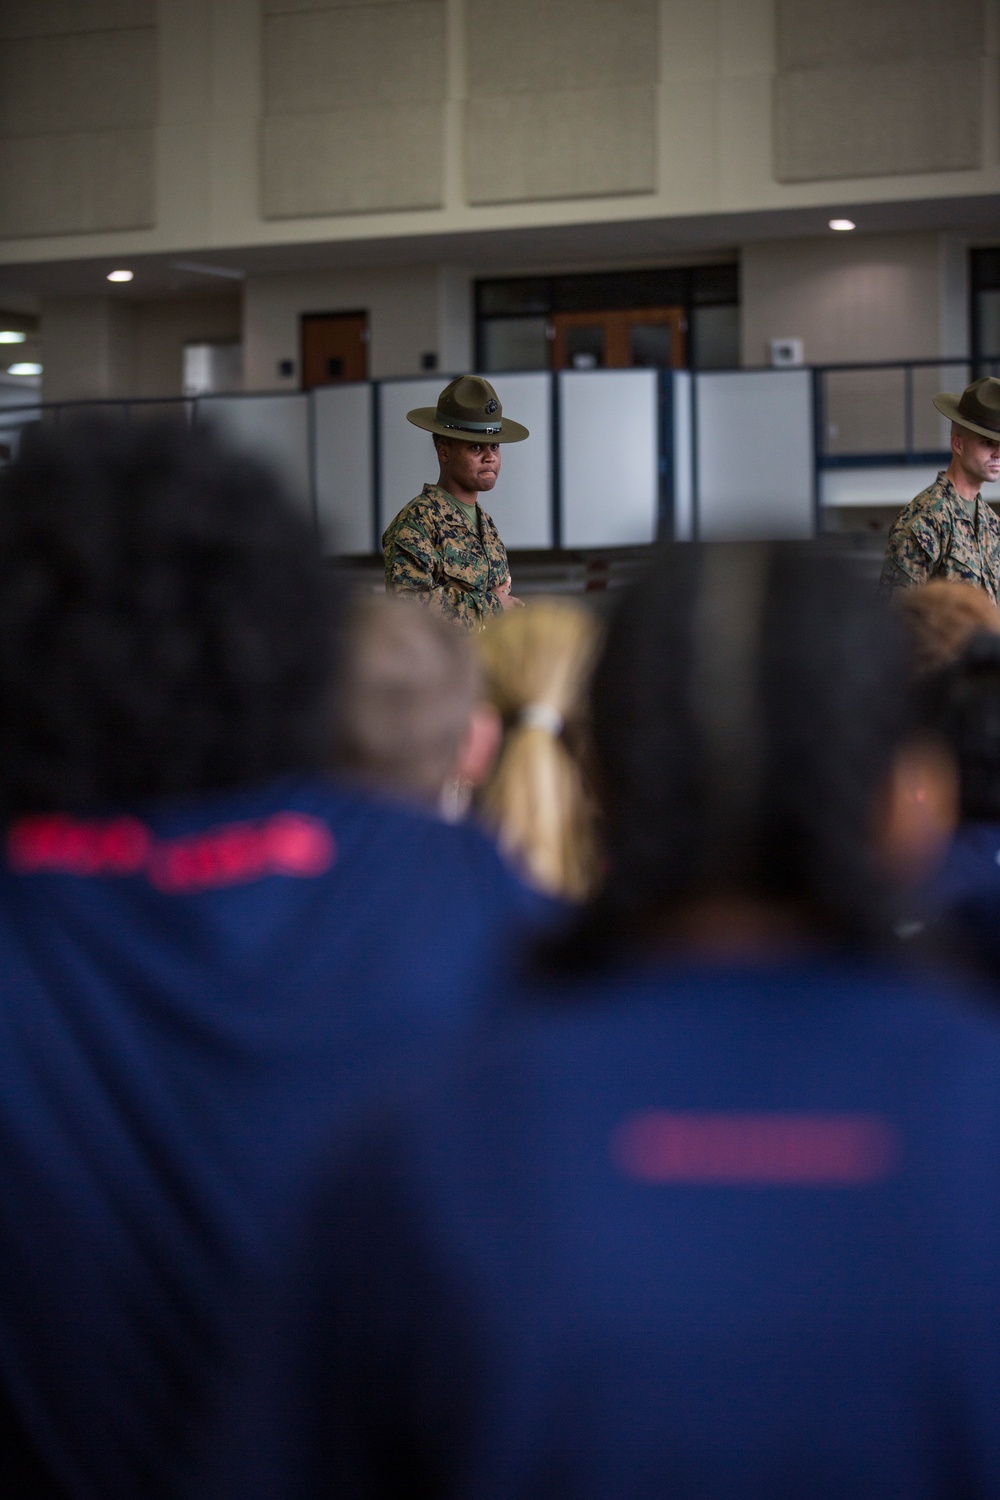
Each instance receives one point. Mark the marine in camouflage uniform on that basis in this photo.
(949, 531)
(940, 535)
(434, 556)
(443, 550)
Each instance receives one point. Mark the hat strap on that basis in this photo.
(467, 426)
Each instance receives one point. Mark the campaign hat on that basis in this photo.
(469, 409)
(978, 407)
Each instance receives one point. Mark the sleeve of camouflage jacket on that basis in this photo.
(911, 555)
(414, 567)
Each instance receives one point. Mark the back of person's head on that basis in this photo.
(538, 802)
(965, 704)
(408, 687)
(165, 620)
(747, 705)
(941, 617)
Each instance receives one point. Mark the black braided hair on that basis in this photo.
(820, 677)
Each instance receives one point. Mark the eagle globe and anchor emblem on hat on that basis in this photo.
(469, 409)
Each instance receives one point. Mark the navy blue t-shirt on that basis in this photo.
(963, 900)
(698, 1233)
(189, 997)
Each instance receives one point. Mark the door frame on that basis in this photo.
(340, 312)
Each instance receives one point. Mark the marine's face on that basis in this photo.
(471, 466)
(980, 457)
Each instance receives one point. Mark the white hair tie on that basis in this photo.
(541, 716)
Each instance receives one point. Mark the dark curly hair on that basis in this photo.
(165, 620)
(745, 709)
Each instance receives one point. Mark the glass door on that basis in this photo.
(641, 338)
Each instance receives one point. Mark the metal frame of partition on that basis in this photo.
(189, 408)
(667, 516)
(884, 458)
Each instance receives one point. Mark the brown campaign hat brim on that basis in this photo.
(948, 405)
(427, 418)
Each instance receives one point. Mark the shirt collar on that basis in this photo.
(951, 493)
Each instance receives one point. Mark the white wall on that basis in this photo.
(850, 296)
(107, 346)
(403, 303)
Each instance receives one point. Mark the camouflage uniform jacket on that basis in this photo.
(940, 535)
(433, 555)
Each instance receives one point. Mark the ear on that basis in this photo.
(917, 812)
(480, 745)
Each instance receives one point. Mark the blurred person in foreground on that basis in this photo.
(412, 721)
(941, 617)
(713, 1211)
(538, 801)
(205, 945)
(963, 900)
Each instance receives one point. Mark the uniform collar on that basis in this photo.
(438, 492)
(948, 488)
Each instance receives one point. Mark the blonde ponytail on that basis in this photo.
(537, 663)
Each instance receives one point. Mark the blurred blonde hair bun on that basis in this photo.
(537, 663)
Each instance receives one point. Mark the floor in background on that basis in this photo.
(548, 572)
(595, 574)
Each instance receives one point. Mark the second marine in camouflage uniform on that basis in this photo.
(435, 557)
(940, 535)
(949, 531)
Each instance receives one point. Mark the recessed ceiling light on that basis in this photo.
(25, 368)
(842, 224)
(8, 336)
(120, 275)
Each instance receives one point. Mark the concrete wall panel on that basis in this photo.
(364, 54)
(66, 184)
(543, 46)
(351, 161)
(872, 120)
(353, 100)
(569, 145)
(814, 33)
(562, 100)
(97, 81)
(859, 90)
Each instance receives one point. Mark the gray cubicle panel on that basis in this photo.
(609, 459)
(753, 430)
(274, 429)
(406, 453)
(683, 456)
(521, 503)
(344, 473)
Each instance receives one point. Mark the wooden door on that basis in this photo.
(334, 348)
(639, 338)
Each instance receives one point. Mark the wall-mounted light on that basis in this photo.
(24, 368)
(120, 275)
(9, 336)
(842, 224)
